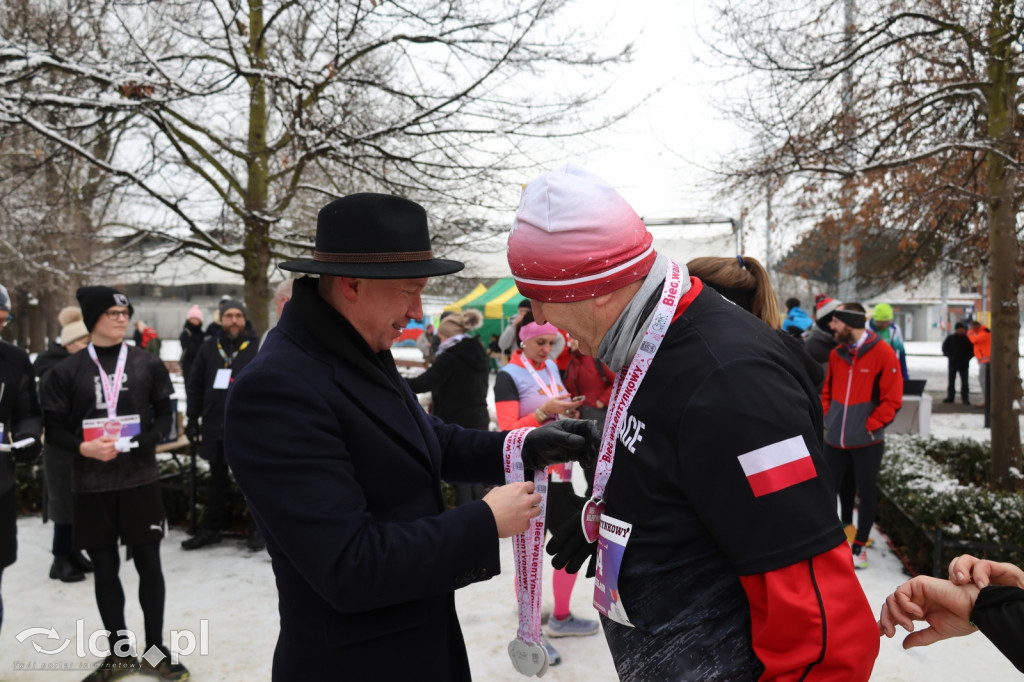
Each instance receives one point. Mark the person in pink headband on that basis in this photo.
(533, 329)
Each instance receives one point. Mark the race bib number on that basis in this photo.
(116, 427)
(611, 545)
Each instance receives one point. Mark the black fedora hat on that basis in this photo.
(376, 236)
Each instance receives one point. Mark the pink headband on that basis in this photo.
(533, 329)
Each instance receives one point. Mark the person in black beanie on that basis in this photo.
(109, 404)
(218, 361)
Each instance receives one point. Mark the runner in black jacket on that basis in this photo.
(719, 525)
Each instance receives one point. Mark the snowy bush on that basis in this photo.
(942, 486)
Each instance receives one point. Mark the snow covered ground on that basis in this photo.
(233, 592)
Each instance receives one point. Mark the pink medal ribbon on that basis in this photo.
(627, 383)
(110, 393)
(528, 655)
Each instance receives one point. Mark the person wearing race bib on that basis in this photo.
(528, 391)
(110, 403)
(342, 468)
(719, 553)
(218, 362)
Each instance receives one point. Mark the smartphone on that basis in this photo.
(578, 398)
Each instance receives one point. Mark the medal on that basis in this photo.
(591, 518)
(528, 656)
(528, 659)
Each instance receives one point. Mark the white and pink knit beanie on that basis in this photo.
(575, 237)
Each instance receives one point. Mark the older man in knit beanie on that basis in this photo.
(711, 470)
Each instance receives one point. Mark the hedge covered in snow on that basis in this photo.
(943, 486)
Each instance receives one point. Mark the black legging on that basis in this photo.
(864, 463)
(110, 594)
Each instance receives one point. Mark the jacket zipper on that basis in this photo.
(846, 401)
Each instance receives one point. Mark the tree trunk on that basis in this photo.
(1004, 277)
(257, 228)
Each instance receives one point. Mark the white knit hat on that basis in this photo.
(575, 237)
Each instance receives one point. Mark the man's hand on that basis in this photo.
(945, 606)
(564, 440)
(568, 546)
(513, 505)
(193, 431)
(104, 449)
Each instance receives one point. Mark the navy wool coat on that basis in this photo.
(342, 472)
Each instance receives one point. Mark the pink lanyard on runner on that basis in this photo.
(627, 383)
(528, 654)
(111, 393)
(550, 390)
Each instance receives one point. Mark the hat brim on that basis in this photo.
(402, 270)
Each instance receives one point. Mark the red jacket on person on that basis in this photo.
(589, 377)
(862, 391)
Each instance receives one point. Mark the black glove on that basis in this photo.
(193, 431)
(568, 546)
(565, 440)
(28, 453)
(147, 441)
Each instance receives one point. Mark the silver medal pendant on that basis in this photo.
(528, 659)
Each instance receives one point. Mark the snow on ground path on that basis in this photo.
(234, 591)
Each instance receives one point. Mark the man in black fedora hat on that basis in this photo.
(342, 468)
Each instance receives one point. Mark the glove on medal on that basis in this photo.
(193, 430)
(560, 441)
(27, 454)
(568, 546)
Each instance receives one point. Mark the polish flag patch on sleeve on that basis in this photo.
(778, 466)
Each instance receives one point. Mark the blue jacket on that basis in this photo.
(342, 472)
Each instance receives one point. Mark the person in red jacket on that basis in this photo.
(862, 391)
(720, 555)
(981, 337)
(588, 377)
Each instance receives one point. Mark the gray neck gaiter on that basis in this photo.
(623, 339)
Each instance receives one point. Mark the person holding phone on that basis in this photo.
(529, 391)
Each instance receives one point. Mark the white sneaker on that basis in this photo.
(570, 627)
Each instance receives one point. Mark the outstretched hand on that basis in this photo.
(944, 606)
(560, 441)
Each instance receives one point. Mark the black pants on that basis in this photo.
(964, 390)
(110, 593)
(864, 464)
(215, 515)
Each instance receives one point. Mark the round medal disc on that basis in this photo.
(591, 519)
(528, 659)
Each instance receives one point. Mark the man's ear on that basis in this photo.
(349, 287)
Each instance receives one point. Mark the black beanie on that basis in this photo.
(851, 318)
(95, 300)
(229, 303)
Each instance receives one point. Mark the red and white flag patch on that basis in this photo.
(778, 466)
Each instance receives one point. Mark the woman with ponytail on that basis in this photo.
(744, 281)
(458, 379)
